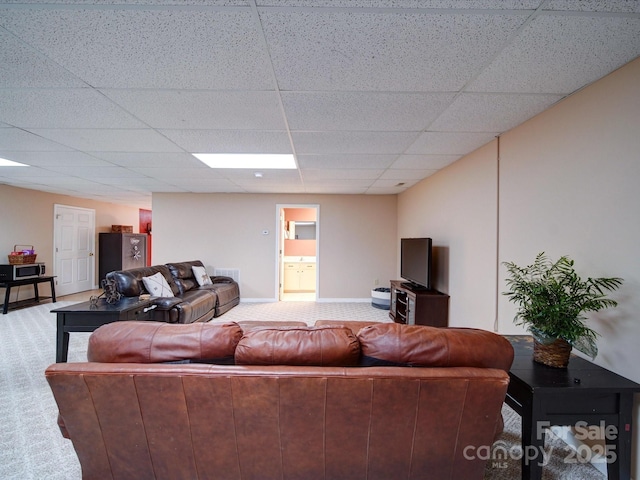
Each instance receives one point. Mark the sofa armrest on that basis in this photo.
(222, 279)
(166, 303)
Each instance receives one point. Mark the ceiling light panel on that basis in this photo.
(244, 160)
(10, 163)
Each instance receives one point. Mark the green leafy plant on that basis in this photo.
(552, 300)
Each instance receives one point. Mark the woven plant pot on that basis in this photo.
(555, 354)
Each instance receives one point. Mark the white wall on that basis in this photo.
(456, 208)
(357, 236)
(568, 185)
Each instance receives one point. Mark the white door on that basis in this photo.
(73, 249)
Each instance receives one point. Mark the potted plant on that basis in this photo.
(552, 300)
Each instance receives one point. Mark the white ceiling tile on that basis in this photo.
(190, 48)
(369, 94)
(62, 108)
(346, 174)
(337, 182)
(23, 66)
(345, 161)
(95, 173)
(328, 143)
(336, 189)
(407, 175)
(109, 140)
(429, 162)
(413, 4)
(594, 5)
(559, 54)
(230, 141)
(168, 173)
(330, 50)
(146, 159)
(376, 111)
(395, 183)
(20, 140)
(449, 143)
(202, 110)
(491, 112)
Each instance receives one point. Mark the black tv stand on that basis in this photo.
(415, 305)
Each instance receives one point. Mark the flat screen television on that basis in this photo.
(415, 261)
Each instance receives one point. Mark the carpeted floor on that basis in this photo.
(31, 446)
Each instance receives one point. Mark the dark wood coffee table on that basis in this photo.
(582, 395)
(86, 317)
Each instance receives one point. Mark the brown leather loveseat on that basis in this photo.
(208, 400)
(190, 302)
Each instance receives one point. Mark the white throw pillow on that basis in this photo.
(201, 276)
(157, 285)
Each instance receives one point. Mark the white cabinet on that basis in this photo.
(299, 277)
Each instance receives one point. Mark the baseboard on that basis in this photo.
(320, 300)
(344, 300)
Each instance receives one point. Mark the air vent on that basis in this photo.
(228, 272)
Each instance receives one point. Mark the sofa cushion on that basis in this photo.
(182, 273)
(201, 275)
(423, 346)
(129, 282)
(157, 286)
(354, 325)
(157, 342)
(302, 346)
(202, 303)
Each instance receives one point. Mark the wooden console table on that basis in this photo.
(584, 392)
(27, 281)
(415, 306)
(86, 317)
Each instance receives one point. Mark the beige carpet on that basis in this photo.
(31, 446)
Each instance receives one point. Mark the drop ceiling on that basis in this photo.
(107, 99)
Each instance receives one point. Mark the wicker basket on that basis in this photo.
(555, 354)
(19, 258)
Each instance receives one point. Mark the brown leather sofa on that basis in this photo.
(158, 400)
(191, 302)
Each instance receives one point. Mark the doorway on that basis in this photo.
(297, 252)
(73, 249)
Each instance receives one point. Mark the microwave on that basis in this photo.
(9, 273)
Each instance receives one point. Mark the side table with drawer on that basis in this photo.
(86, 317)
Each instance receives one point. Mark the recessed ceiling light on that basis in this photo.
(247, 160)
(258, 174)
(10, 163)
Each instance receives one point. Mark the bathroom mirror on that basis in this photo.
(302, 230)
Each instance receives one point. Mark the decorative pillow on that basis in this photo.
(201, 276)
(157, 285)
